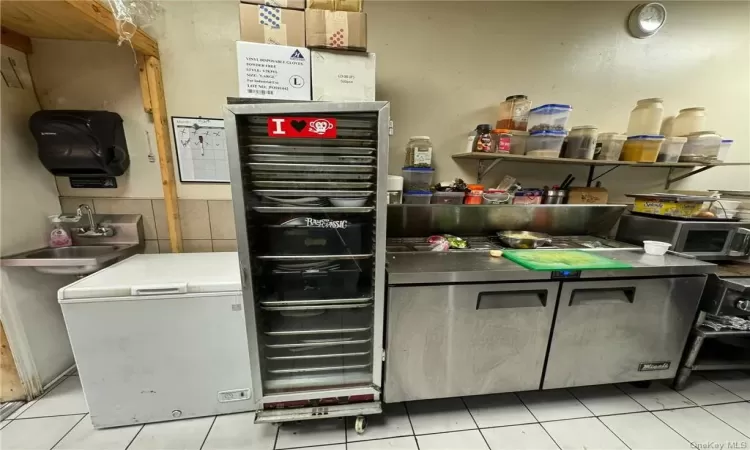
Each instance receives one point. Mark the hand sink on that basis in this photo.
(75, 260)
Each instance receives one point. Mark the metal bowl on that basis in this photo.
(524, 239)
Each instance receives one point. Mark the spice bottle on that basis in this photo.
(483, 140)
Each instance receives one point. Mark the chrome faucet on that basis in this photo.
(94, 230)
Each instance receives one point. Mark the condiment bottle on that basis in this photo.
(483, 140)
(501, 140)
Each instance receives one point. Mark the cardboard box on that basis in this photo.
(291, 4)
(273, 71)
(270, 25)
(343, 76)
(587, 196)
(336, 29)
(336, 5)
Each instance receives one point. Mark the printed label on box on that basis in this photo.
(273, 71)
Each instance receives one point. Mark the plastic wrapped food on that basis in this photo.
(442, 243)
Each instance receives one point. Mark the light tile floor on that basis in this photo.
(712, 412)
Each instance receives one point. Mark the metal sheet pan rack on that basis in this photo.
(313, 271)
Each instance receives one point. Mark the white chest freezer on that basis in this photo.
(160, 337)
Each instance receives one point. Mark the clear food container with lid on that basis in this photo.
(417, 178)
(671, 149)
(609, 146)
(418, 152)
(581, 142)
(448, 198)
(702, 146)
(514, 113)
(417, 197)
(645, 118)
(550, 117)
(545, 144)
(643, 148)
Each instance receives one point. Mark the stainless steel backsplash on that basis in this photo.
(475, 220)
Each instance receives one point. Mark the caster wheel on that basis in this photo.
(360, 424)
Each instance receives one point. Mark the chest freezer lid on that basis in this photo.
(150, 275)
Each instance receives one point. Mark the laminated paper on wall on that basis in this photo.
(336, 29)
(270, 25)
(292, 4)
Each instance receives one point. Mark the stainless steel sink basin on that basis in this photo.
(76, 260)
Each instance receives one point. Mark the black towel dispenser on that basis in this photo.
(80, 143)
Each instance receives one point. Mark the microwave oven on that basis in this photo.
(708, 240)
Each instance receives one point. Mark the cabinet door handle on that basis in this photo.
(602, 296)
(512, 299)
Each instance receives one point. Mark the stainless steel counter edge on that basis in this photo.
(470, 267)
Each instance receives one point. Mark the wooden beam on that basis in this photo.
(85, 20)
(15, 40)
(164, 148)
(143, 78)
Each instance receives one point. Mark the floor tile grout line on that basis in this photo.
(210, 427)
(275, 439)
(408, 416)
(135, 436)
(44, 394)
(725, 423)
(596, 417)
(47, 417)
(669, 426)
(526, 406)
(717, 384)
(663, 409)
(68, 432)
(475, 423)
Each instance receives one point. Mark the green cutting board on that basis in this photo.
(562, 260)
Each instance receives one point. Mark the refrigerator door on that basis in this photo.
(156, 358)
(165, 274)
(616, 331)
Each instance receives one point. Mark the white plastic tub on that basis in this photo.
(550, 117)
(671, 149)
(656, 248)
(701, 146)
(646, 117)
(688, 121)
(609, 146)
(545, 144)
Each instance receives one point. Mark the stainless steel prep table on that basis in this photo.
(466, 323)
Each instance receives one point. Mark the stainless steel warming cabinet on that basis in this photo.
(309, 192)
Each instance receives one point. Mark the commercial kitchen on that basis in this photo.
(547, 276)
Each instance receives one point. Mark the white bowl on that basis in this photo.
(349, 202)
(655, 247)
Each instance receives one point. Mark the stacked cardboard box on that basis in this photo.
(272, 60)
(344, 76)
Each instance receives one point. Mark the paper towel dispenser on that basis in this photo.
(80, 143)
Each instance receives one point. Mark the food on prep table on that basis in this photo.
(706, 214)
(444, 242)
(496, 253)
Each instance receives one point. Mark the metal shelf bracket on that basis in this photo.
(671, 180)
(482, 171)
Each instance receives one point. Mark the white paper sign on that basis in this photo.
(273, 71)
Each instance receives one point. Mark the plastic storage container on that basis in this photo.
(643, 148)
(528, 197)
(581, 142)
(447, 198)
(702, 146)
(514, 113)
(724, 149)
(688, 121)
(609, 146)
(551, 117)
(417, 178)
(671, 149)
(545, 144)
(518, 142)
(418, 152)
(474, 196)
(318, 238)
(501, 140)
(417, 197)
(645, 118)
(496, 197)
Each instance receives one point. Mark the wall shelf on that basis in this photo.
(483, 167)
